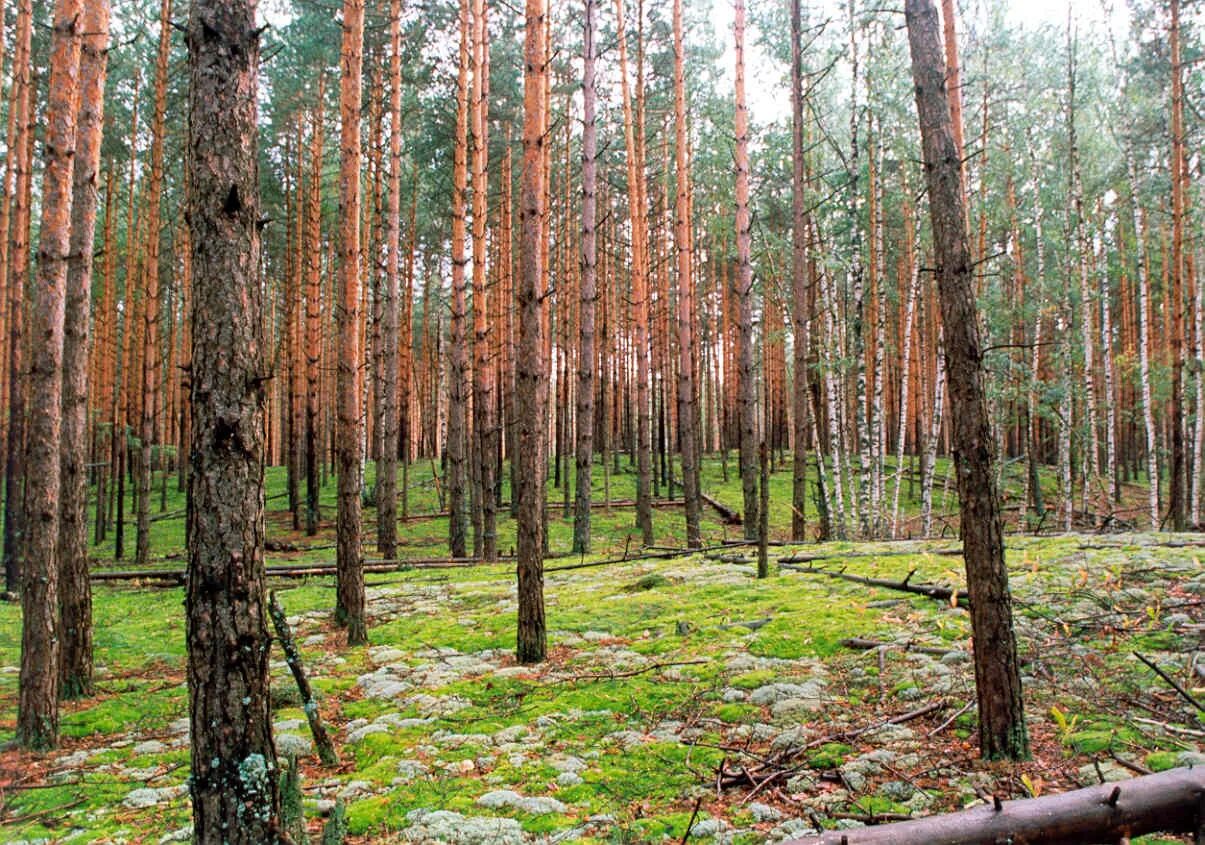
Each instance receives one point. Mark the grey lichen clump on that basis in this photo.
(253, 773)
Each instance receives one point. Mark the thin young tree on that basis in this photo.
(349, 601)
(1177, 479)
(38, 706)
(1002, 730)
(234, 775)
(589, 287)
(75, 591)
(746, 373)
(530, 371)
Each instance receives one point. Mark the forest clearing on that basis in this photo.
(451, 422)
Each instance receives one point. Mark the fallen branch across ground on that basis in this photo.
(862, 644)
(1168, 802)
(932, 591)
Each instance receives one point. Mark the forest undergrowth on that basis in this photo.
(682, 695)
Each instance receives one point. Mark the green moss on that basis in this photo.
(1161, 761)
(829, 756)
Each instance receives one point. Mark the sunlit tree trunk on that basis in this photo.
(800, 311)
(313, 322)
(1179, 179)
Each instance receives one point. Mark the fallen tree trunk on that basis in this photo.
(729, 516)
(322, 741)
(1168, 802)
(932, 591)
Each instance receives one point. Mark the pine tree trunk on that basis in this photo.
(313, 323)
(746, 373)
(457, 469)
(150, 302)
(234, 777)
(639, 296)
(800, 311)
(484, 425)
(1179, 177)
(530, 369)
(19, 135)
(1002, 731)
(349, 603)
(588, 292)
(687, 392)
(75, 592)
(38, 706)
(386, 489)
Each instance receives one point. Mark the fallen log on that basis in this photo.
(1168, 802)
(932, 591)
(819, 556)
(862, 644)
(729, 516)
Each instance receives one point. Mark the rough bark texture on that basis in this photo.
(150, 300)
(458, 363)
(530, 374)
(640, 297)
(20, 126)
(997, 670)
(484, 427)
(1168, 802)
(800, 316)
(313, 323)
(1177, 479)
(688, 439)
(38, 707)
(588, 292)
(386, 492)
(746, 373)
(75, 592)
(349, 602)
(234, 778)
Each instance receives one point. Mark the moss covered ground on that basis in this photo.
(682, 695)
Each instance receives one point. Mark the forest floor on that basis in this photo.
(682, 696)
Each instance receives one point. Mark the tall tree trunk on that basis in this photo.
(349, 603)
(530, 370)
(386, 490)
(588, 292)
(458, 366)
(1002, 731)
(746, 373)
(313, 323)
(38, 706)
(19, 135)
(150, 302)
(640, 295)
(687, 392)
(75, 592)
(1179, 177)
(234, 776)
(484, 425)
(800, 311)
